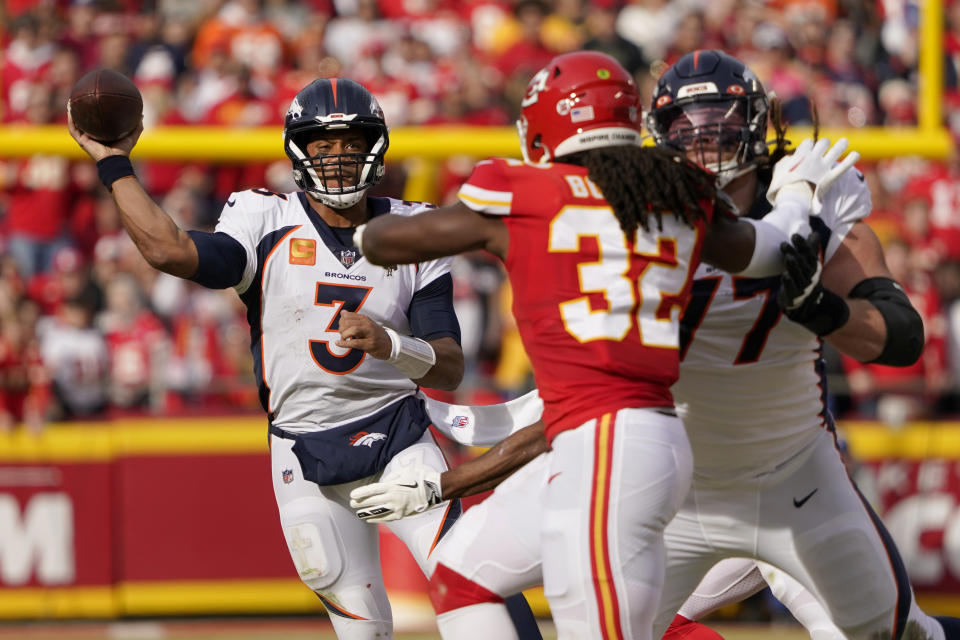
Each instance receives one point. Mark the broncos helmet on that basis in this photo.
(580, 100)
(330, 104)
(710, 106)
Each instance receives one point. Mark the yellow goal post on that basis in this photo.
(421, 148)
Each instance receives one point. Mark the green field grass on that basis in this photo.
(284, 629)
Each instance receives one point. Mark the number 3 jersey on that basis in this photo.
(752, 390)
(297, 276)
(598, 312)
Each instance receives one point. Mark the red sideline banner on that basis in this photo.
(154, 517)
(144, 517)
(911, 476)
(55, 534)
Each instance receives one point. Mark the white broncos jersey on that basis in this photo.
(294, 285)
(751, 390)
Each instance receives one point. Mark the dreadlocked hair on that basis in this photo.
(642, 181)
(780, 131)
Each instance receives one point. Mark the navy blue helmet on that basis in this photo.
(331, 104)
(710, 106)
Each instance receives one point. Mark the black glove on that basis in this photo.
(802, 297)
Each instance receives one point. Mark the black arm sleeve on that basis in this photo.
(431, 311)
(222, 260)
(904, 326)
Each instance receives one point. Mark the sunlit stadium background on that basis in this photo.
(135, 485)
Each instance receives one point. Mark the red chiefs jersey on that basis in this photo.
(598, 312)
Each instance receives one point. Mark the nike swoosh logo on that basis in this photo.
(230, 203)
(802, 501)
(550, 479)
(409, 486)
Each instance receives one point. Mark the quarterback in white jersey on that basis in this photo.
(340, 346)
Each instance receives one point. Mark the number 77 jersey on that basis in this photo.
(752, 389)
(598, 310)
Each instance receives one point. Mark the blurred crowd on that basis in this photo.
(88, 330)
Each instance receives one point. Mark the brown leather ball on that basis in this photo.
(106, 105)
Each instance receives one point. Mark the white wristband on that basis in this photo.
(791, 210)
(412, 356)
(766, 259)
(358, 237)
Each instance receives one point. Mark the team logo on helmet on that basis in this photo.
(579, 101)
(459, 422)
(364, 439)
(295, 110)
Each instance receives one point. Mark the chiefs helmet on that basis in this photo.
(710, 106)
(579, 101)
(330, 104)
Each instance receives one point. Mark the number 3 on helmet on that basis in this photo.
(579, 101)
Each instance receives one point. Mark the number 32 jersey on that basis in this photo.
(598, 312)
(751, 390)
(297, 278)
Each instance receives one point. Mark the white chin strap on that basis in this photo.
(726, 176)
(338, 200)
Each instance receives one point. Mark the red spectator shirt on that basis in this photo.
(598, 311)
(42, 197)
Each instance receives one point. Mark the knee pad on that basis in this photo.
(449, 590)
(315, 547)
(854, 580)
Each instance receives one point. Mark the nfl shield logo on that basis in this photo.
(348, 257)
(287, 476)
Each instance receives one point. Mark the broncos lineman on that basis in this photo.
(340, 345)
(769, 482)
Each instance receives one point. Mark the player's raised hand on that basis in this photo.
(406, 491)
(97, 150)
(812, 165)
(358, 331)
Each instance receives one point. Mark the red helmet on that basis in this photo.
(580, 100)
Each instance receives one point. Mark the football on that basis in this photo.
(106, 105)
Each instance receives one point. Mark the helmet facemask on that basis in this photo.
(337, 180)
(723, 135)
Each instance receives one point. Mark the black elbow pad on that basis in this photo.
(905, 339)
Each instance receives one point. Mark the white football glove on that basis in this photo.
(814, 163)
(405, 492)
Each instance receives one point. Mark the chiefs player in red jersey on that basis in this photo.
(600, 249)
